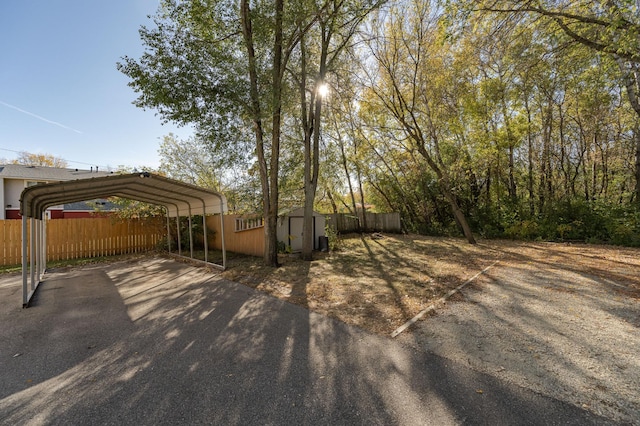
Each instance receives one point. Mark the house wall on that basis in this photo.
(10, 196)
(12, 190)
(12, 214)
(2, 203)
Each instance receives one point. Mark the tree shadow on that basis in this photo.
(197, 349)
(513, 329)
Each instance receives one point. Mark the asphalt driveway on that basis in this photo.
(155, 341)
(565, 331)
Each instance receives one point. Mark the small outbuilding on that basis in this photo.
(290, 226)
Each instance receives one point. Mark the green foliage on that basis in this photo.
(581, 221)
(334, 238)
(283, 247)
(532, 135)
(130, 209)
(526, 230)
(197, 230)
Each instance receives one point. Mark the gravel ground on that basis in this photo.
(560, 330)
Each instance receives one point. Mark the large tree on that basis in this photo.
(609, 27)
(220, 65)
(44, 160)
(407, 81)
(188, 160)
(320, 50)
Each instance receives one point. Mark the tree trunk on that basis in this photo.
(312, 156)
(363, 223)
(445, 186)
(268, 174)
(343, 156)
(631, 77)
(636, 135)
(530, 161)
(271, 243)
(513, 196)
(334, 206)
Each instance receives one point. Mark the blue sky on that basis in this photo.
(60, 91)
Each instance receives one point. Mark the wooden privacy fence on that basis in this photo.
(11, 234)
(87, 237)
(247, 241)
(375, 222)
(95, 237)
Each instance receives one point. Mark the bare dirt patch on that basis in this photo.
(561, 319)
(378, 284)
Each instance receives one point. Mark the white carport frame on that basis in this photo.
(176, 197)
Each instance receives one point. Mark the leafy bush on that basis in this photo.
(525, 230)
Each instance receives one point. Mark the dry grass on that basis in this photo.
(378, 284)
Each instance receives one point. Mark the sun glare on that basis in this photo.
(323, 90)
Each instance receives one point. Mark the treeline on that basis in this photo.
(530, 133)
(498, 118)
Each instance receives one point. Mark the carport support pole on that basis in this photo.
(32, 251)
(204, 231)
(44, 244)
(178, 228)
(38, 249)
(25, 290)
(168, 232)
(224, 252)
(190, 234)
(41, 249)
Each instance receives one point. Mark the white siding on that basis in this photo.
(12, 190)
(290, 229)
(3, 205)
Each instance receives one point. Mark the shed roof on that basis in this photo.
(296, 212)
(180, 199)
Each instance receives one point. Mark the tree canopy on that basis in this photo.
(39, 159)
(492, 118)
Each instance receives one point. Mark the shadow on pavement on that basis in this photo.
(159, 342)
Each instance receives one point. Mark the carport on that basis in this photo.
(178, 199)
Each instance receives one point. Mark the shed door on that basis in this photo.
(295, 233)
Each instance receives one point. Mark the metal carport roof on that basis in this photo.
(179, 199)
(177, 196)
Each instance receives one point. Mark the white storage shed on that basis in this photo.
(290, 229)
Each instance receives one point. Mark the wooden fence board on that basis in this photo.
(11, 233)
(85, 237)
(96, 237)
(249, 241)
(375, 222)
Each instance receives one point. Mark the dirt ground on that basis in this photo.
(561, 319)
(379, 284)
